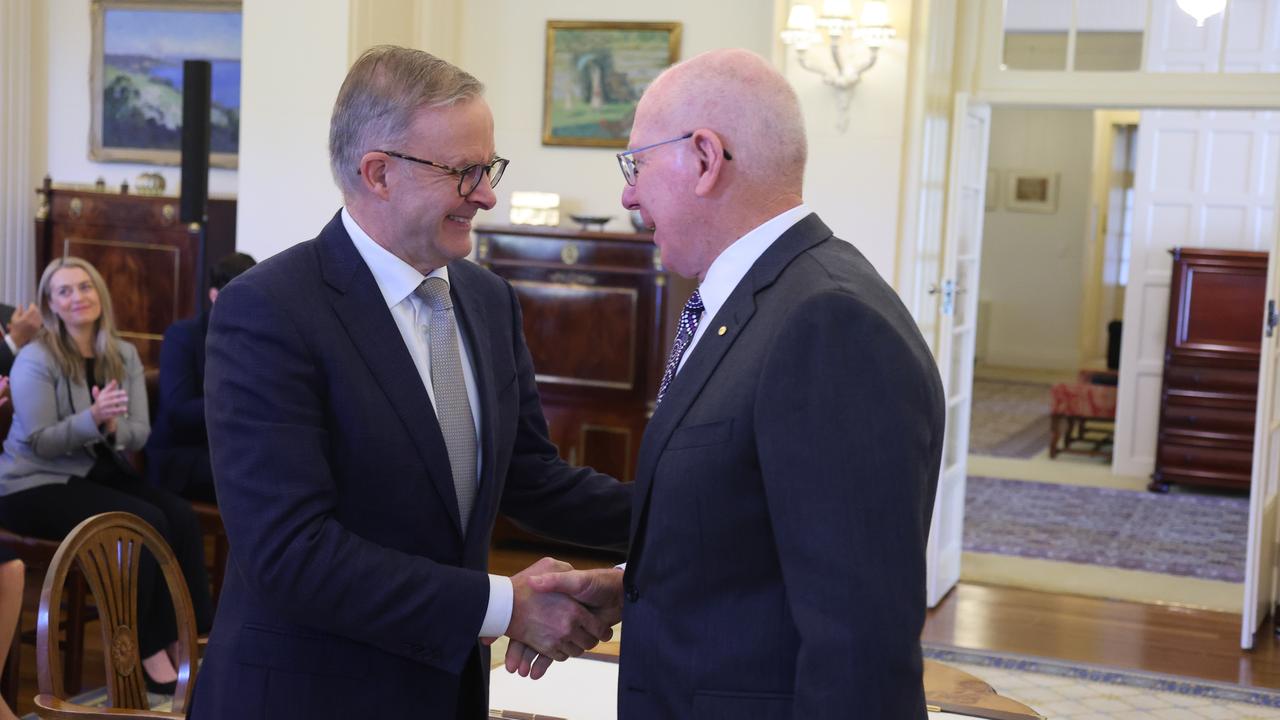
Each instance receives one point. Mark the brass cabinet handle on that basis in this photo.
(569, 253)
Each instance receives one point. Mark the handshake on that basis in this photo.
(558, 612)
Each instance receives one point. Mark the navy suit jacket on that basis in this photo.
(178, 448)
(782, 503)
(351, 590)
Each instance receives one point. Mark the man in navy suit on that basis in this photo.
(178, 447)
(371, 406)
(786, 480)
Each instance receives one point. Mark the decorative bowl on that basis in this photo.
(586, 221)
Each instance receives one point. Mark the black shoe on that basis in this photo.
(159, 688)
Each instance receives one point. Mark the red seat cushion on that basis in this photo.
(1083, 400)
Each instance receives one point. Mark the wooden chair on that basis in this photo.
(211, 526)
(1087, 409)
(107, 548)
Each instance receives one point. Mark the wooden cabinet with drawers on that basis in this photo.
(599, 316)
(148, 257)
(1209, 396)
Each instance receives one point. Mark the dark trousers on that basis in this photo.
(52, 511)
(185, 470)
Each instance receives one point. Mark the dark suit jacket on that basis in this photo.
(351, 591)
(178, 449)
(6, 355)
(783, 498)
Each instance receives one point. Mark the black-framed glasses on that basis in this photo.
(468, 177)
(627, 161)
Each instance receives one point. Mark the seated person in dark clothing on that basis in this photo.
(19, 327)
(178, 450)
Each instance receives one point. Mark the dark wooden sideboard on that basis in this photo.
(147, 256)
(1217, 302)
(599, 316)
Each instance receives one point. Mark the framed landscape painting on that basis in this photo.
(596, 72)
(136, 77)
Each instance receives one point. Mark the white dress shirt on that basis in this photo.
(731, 266)
(397, 280)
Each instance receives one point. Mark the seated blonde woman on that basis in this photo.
(79, 399)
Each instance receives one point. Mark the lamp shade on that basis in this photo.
(837, 9)
(875, 13)
(802, 17)
(1202, 10)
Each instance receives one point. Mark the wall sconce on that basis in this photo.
(836, 29)
(1202, 10)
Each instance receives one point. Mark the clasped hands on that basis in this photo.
(109, 403)
(558, 612)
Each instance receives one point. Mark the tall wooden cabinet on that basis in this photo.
(149, 259)
(599, 314)
(1212, 347)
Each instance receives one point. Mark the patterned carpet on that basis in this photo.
(1198, 536)
(1072, 691)
(1057, 689)
(1009, 419)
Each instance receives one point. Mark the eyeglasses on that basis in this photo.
(627, 161)
(468, 177)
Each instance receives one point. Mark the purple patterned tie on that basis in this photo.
(689, 318)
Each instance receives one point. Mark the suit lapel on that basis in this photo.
(363, 312)
(707, 355)
(469, 307)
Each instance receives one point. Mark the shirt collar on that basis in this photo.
(731, 266)
(396, 278)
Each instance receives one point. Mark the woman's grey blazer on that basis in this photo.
(53, 430)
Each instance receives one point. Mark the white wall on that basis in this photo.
(1031, 262)
(286, 192)
(290, 79)
(512, 69)
(65, 113)
(854, 178)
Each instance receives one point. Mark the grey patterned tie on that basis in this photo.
(453, 409)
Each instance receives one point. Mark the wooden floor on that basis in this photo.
(1119, 634)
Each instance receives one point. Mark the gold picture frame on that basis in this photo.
(595, 75)
(1033, 191)
(135, 78)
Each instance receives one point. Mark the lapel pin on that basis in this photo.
(722, 330)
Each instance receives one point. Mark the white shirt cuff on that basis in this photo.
(498, 617)
(13, 346)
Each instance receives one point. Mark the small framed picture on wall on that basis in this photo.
(1033, 191)
(595, 75)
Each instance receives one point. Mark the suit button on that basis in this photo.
(633, 595)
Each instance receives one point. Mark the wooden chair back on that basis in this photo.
(108, 550)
